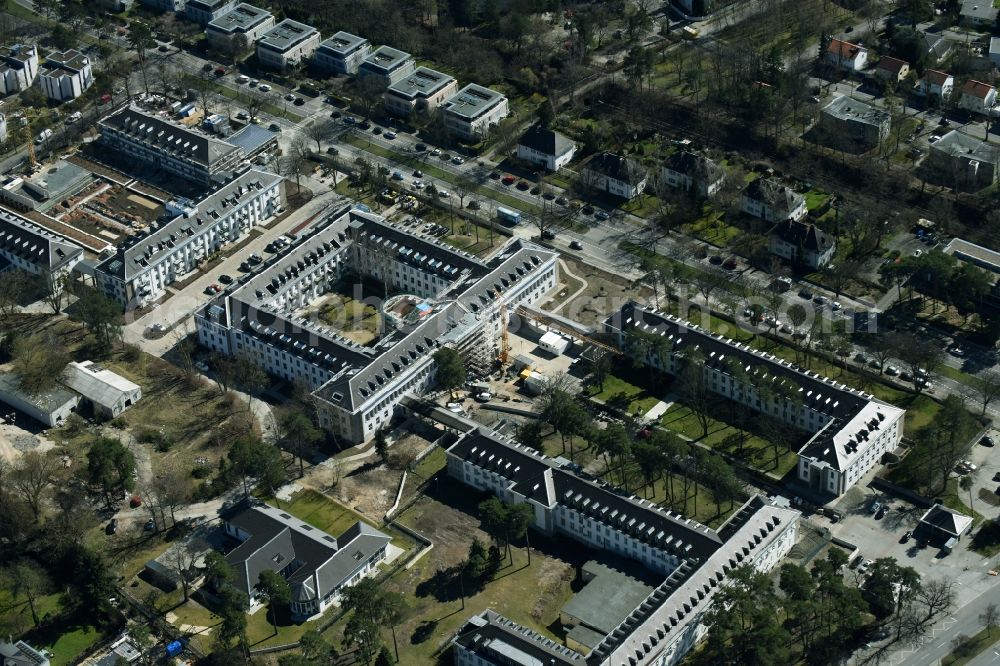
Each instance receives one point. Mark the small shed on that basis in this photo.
(534, 383)
(522, 361)
(109, 393)
(942, 525)
(50, 407)
(554, 343)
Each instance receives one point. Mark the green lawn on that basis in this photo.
(643, 205)
(623, 395)
(985, 639)
(321, 512)
(433, 463)
(71, 644)
(815, 199)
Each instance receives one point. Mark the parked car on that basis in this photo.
(420, 148)
(299, 101)
(806, 294)
(891, 370)
(601, 215)
(576, 245)
(418, 174)
(987, 441)
(906, 536)
(377, 130)
(225, 279)
(150, 525)
(548, 235)
(865, 566)
(390, 135)
(875, 507)
(264, 87)
(457, 159)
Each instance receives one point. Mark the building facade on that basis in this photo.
(802, 243)
(342, 53)
(247, 20)
(110, 394)
(26, 246)
(962, 162)
(772, 201)
(423, 90)
(65, 75)
(473, 112)
(848, 431)
(18, 68)
(977, 97)
(204, 12)
(892, 70)
(357, 388)
(545, 147)
(177, 149)
(693, 173)
(691, 559)
(287, 44)
(386, 65)
(854, 126)
(937, 84)
(615, 174)
(140, 271)
(846, 56)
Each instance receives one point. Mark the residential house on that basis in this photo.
(978, 13)
(139, 272)
(177, 149)
(357, 389)
(977, 97)
(849, 431)
(317, 565)
(287, 44)
(342, 53)
(851, 125)
(615, 174)
(18, 68)
(962, 162)
(936, 84)
(937, 47)
(244, 20)
(204, 12)
(545, 147)
(473, 111)
(50, 407)
(772, 201)
(892, 70)
(27, 246)
(21, 654)
(846, 56)
(802, 243)
(110, 394)
(65, 75)
(386, 65)
(693, 172)
(665, 621)
(423, 90)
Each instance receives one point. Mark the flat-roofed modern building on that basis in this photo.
(141, 269)
(962, 162)
(474, 111)
(26, 246)
(342, 53)
(204, 12)
(18, 67)
(690, 559)
(247, 20)
(849, 124)
(386, 65)
(65, 75)
(159, 143)
(444, 298)
(287, 44)
(422, 90)
(848, 430)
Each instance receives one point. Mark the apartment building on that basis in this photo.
(473, 112)
(247, 20)
(772, 201)
(139, 272)
(3, 128)
(962, 162)
(18, 68)
(317, 566)
(853, 126)
(204, 12)
(849, 430)
(422, 90)
(287, 44)
(386, 65)
(156, 142)
(65, 75)
(615, 174)
(691, 559)
(356, 388)
(342, 53)
(26, 246)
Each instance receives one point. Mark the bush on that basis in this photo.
(119, 423)
(131, 353)
(201, 472)
(154, 437)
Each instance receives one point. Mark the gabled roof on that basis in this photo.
(803, 234)
(618, 167)
(936, 77)
(97, 384)
(163, 135)
(776, 195)
(841, 49)
(976, 89)
(948, 521)
(696, 166)
(22, 237)
(890, 64)
(546, 141)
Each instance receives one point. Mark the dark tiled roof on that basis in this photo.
(773, 194)
(546, 141)
(804, 235)
(161, 134)
(617, 167)
(24, 238)
(694, 165)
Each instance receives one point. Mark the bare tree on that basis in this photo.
(990, 617)
(984, 388)
(320, 131)
(55, 290)
(181, 559)
(31, 478)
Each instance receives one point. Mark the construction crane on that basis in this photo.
(25, 119)
(504, 340)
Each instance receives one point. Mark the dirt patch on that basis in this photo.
(14, 442)
(604, 294)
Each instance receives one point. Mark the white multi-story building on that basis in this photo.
(692, 560)
(247, 20)
(545, 147)
(139, 272)
(449, 298)
(180, 150)
(615, 174)
(287, 44)
(342, 53)
(386, 65)
(204, 12)
(26, 246)
(693, 173)
(473, 112)
(66, 75)
(422, 90)
(772, 201)
(3, 127)
(849, 430)
(18, 68)
(977, 97)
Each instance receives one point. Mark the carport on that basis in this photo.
(941, 526)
